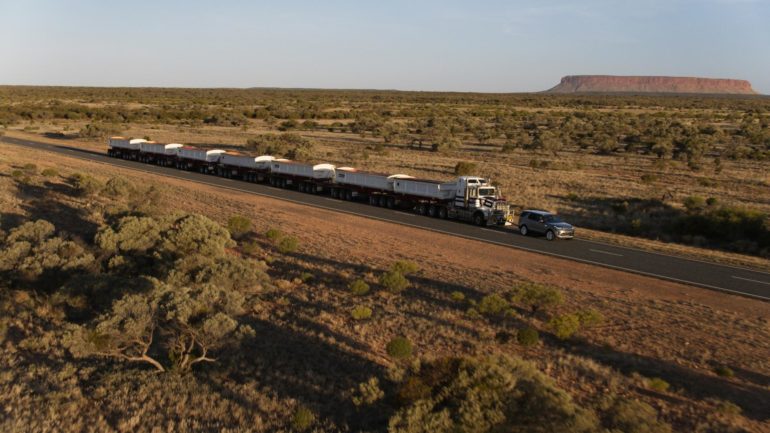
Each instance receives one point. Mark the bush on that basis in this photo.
(457, 296)
(394, 281)
(359, 287)
(694, 203)
(368, 392)
(649, 178)
(724, 371)
(711, 201)
(537, 296)
(590, 317)
(463, 168)
(361, 313)
(49, 172)
(399, 348)
(17, 174)
(30, 168)
(528, 337)
(405, 267)
(273, 234)
(250, 248)
(565, 326)
(288, 245)
(238, 226)
(84, 184)
(303, 419)
(117, 187)
(632, 416)
(492, 305)
(658, 384)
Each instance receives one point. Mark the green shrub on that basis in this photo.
(250, 247)
(632, 416)
(711, 201)
(658, 384)
(367, 393)
(305, 277)
(84, 184)
(303, 419)
(49, 172)
(17, 174)
(565, 326)
(537, 296)
(288, 245)
(30, 168)
(361, 312)
(399, 348)
(649, 178)
(492, 305)
(359, 287)
(590, 317)
(724, 371)
(464, 168)
(405, 267)
(528, 337)
(694, 203)
(457, 296)
(394, 281)
(273, 234)
(117, 187)
(238, 226)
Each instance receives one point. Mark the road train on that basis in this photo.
(468, 198)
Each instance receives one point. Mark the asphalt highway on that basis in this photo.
(725, 278)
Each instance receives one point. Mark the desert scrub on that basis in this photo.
(399, 348)
(84, 184)
(49, 172)
(359, 287)
(288, 245)
(590, 317)
(303, 419)
(405, 267)
(527, 337)
(633, 416)
(273, 234)
(117, 187)
(565, 326)
(367, 393)
(724, 371)
(394, 281)
(457, 296)
(658, 384)
(492, 305)
(238, 226)
(537, 296)
(361, 312)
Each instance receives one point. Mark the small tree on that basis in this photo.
(537, 296)
(399, 348)
(238, 226)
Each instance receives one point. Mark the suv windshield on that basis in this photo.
(552, 219)
(486, 191)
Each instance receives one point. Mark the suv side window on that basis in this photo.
(533, 216)
(524, 215)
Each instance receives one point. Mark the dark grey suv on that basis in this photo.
(538, 221)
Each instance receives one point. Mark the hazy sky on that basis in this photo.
(499, 46)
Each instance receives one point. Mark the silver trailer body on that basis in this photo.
(202, 155)
(246, 161)
(159, 148)
(126, 143)
(301, 169)
(367, 179)
(427, 189)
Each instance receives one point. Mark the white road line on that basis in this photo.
(405, 213)
(605, 252)
(532, 250)
(753, 281)
(490, 230)
(331, 199)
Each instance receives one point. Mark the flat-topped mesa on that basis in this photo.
(651, 84)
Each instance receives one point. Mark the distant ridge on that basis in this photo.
(651, 84)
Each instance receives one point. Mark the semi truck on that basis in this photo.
(468, 198)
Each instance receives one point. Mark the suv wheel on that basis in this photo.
(523, 230)
(550, 235)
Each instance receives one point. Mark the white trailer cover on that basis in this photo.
(200, 154)
(425, 188)
(160, 149)
(300, 169)
(126, 143)
(246, 161)
(367, 179)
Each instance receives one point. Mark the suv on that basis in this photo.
(538, 221)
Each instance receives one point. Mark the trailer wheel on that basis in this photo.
(442, 212)
(422, 209)
(433, 211)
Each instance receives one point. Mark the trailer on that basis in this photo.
(197, 159)
(377, 188)
(247, 167)
(159, 153)
(126, 148)
(305, 177)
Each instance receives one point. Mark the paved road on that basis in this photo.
(746, 282)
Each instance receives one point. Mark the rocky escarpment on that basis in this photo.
(651, 84)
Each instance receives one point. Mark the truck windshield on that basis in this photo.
(486, 191)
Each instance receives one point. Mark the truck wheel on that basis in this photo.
(523, 230)
(478, 219)
(549, 235)
(422, 209)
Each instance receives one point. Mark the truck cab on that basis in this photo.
(478, 201)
